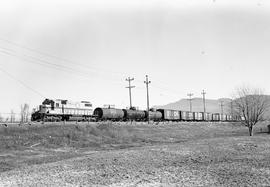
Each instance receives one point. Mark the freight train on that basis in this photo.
(64, 110)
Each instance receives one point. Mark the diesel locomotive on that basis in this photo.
(63, 110)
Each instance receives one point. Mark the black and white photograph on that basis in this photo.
(134, 93)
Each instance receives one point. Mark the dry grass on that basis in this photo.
(184, 154)
(54, 136)
(105, 134)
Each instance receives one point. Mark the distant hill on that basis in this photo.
(212, 105)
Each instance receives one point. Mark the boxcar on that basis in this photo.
(236, 118)
(229, 118)
(207, 116)
(216, 117)
(198, 116)
(187, 116)
(170, 115)
(223, 117)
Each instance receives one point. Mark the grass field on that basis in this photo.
(119, 154)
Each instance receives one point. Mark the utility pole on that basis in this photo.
(203, 93)
(129, 87)
(190, 99)
(231, 108)
(147, 82)
(221, 106)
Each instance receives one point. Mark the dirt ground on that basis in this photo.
(183, 154)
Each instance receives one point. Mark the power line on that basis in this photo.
(57, 57)
(169, 91)
(33, 60)
(67, 68)
(8, 113)
(157, 84)
(42, 62)
(22, 83)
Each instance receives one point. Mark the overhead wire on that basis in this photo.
(47, 64)
(70, 69)
(57, 57)
(22, 83)
(69, 61)
(156, 85)
(40, 60)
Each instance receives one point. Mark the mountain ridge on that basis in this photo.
(212, 105)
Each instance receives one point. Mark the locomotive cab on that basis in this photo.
(43, 109)
(49, 104)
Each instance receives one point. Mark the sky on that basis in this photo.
(85, 49)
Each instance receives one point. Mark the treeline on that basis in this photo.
(22, 117)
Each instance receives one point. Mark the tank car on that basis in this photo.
(136, 115)
(154, 115)
(109, 114)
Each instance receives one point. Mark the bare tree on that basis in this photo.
(250, 104)
(24, 112)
